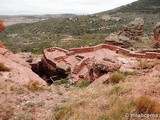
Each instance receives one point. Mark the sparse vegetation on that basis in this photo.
(119, 90)
(17, 90)
(144, 64)
(127, 73)
(6, 111)
(66, 111)
(59, 92)
(98, 101)
(62, 113)
(25, 116)
(35, 86)
(3, 67)
(2, 86)
(116, 77)
(118, 109)
(145, 105)
(83, 83)
(62, 81)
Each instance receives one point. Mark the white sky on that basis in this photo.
(17, 7)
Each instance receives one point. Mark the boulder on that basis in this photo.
(108, 64)
(118, 40)
(134, 29)
(156, 33)
(18, 71)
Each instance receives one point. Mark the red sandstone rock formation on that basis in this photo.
(107, 64)
(83, 63)
(134, 29)
(1, 26)
(156, 32)
(118, 40)
(18, 70)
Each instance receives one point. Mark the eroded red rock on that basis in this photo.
(156, 33)
(20, 71)
(134, 29)
(87, 63)
(77, 63)
(1, 26)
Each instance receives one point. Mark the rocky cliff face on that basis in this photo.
(156, 33)
(134, 29)
(15, 69)
(1, 26)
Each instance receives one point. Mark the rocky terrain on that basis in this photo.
(109, 78)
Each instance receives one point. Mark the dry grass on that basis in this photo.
(3, 67)
(17, 90)
(35, 86)
(6, 111)
(117, 109)
(145, 105)
(144, 64)
(116, 77)
(83, 84)
(24, 116)
(2, 86)
(69, 111)
(86, 109)
(119, 90)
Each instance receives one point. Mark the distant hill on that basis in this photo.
(69, 30)
(149, 10)
(37, 36)
(140, 6)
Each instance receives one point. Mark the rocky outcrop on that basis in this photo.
(107, 64)
(103, 66)
(1, 26)
(134, 29)
(156, 33)
(18, 71)
(14, 68)
(118, 40)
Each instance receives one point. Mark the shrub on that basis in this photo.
(118, 90)
(17, 90)
(144, 64)
(3, 67)
(62, 81)
(83, 84)
(130, 73)
(59, 92)
(62, 113)
(116, 77)
(34, 85)
(144, 105)
(118, 109)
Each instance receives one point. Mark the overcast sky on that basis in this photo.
(17, 7)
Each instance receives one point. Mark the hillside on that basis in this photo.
(147, 9)
(140, 6)
(90, 82)
(77, 31)
(42, 34)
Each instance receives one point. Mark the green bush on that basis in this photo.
(62, 81)
(116, 77)
(83, 84)
(144, 64)
(130, 73)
